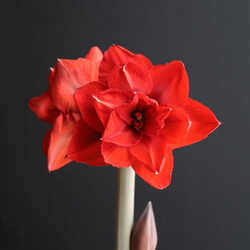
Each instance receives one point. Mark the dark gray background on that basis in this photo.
(207, 205)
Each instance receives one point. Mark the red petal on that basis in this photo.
(115, 155)
(145, 101)
(84, 99)
(132, 76)
(151, 151)
(153, 116)
(85, 145)
(153, 120)
(44, 108)
(118, 80)
(126, 111)
(68, 76)
(115, 55)
(158, 180)
(118, 132)
(171, 83)
(139, 103)
(95, 55)
(145, 61)
(176, 126)
(202, 122)
(106, 101)
(60, 137)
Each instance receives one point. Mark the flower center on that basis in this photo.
(138, 123)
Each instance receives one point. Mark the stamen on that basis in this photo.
(138, 122)
(138, 116)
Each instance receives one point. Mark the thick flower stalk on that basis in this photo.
(124, 207)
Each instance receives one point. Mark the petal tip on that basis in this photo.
(49, 168)
(182, 63)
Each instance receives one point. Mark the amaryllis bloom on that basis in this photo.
(136, 114)
(58, 107)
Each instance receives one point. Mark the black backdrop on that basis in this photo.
(207, 205)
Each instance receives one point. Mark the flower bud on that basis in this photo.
(144, 235)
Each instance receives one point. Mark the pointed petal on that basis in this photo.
(117, 79)
(145, 61)
(114, 56)
(171, 84)
(95, 55)
(60, 137)
(68, 76)
(84, 99)
(44, 108)
(118, 132)
(132, 76)
(106, 101)
(85, 145)
(144, 235)
(202, 122)
(176, 126)
(158, 180)
(151, 151)
(115, 155)
(153, 120)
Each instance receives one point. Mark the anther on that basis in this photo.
(138, 116)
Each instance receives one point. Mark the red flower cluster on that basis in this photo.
(119, 109)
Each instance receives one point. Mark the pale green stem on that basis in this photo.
(125, 207)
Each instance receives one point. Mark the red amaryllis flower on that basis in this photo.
(136, 114)
(58, 107)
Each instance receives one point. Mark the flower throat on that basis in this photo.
(138, 123)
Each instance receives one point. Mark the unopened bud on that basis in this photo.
(144, 235)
